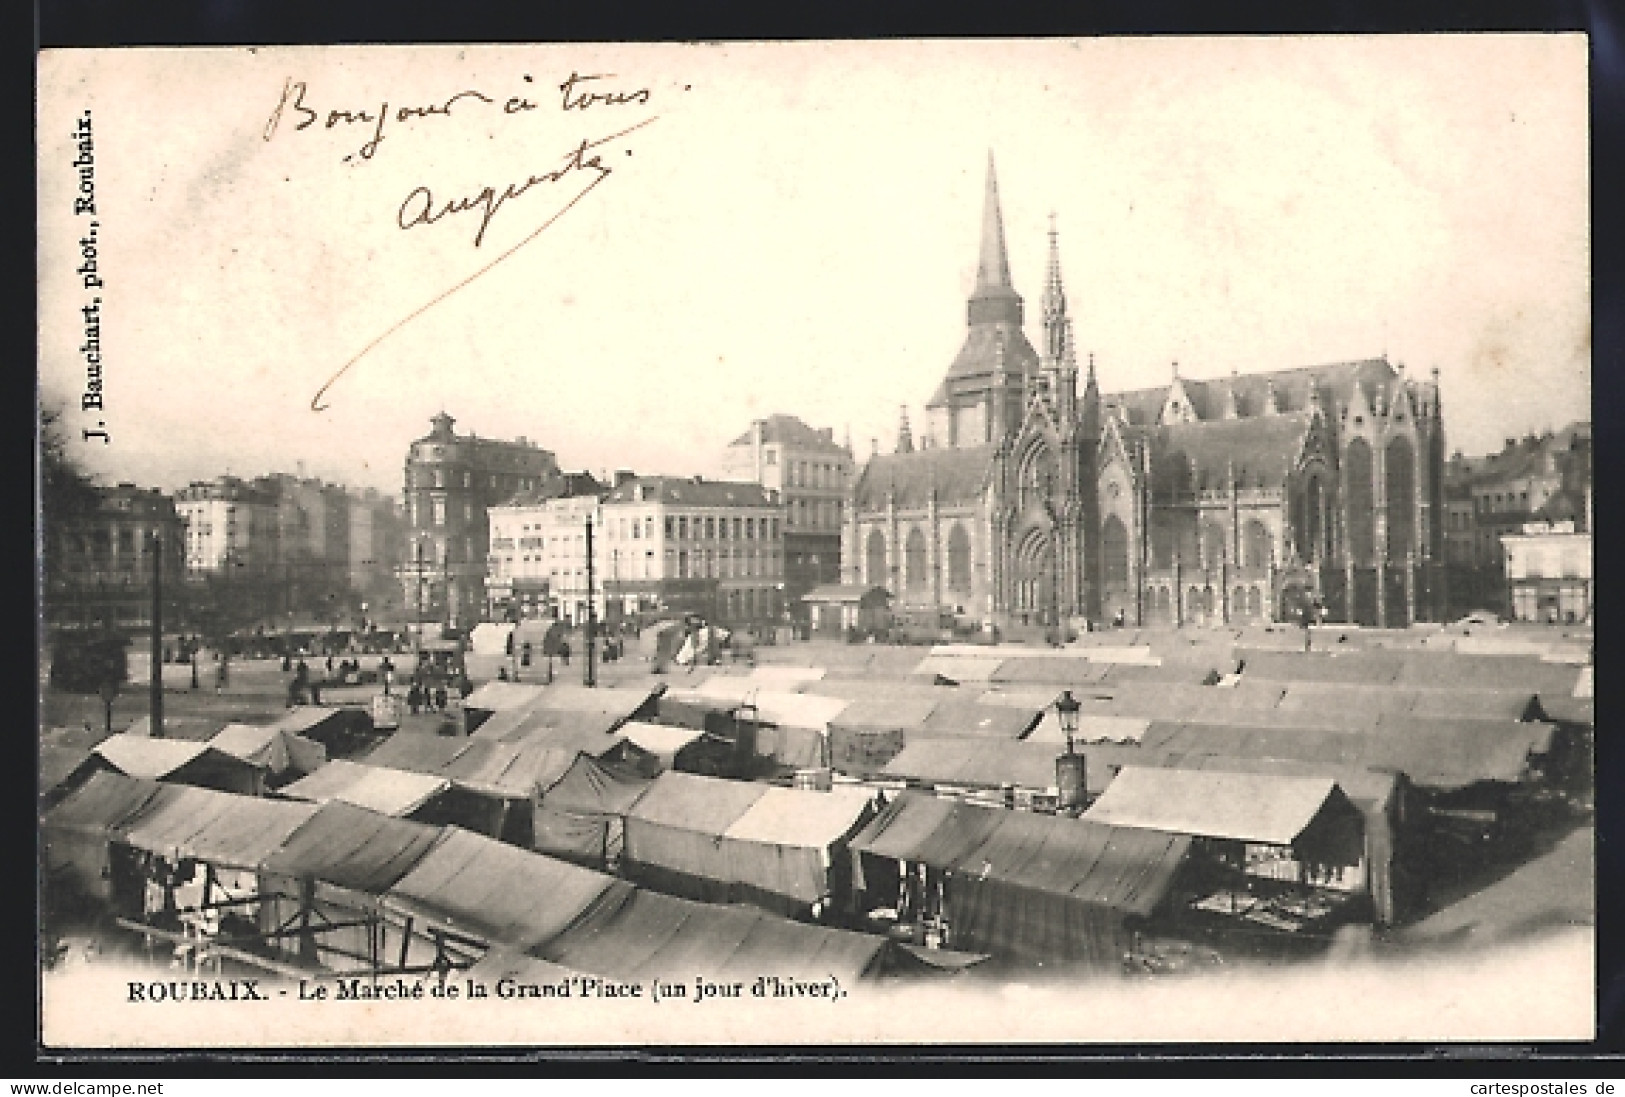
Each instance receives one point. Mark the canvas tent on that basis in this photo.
(721, 840)
(319, 889)
(647, 935)
(1032, 888)
(76, 834)
(180, 762)
(581, 816)
(968, 719)
(61, 770)
(270, 748)
(393, 792)
(474, 887)
(665, 742)
(868, 733)
(1433, 754)
(1380, 797)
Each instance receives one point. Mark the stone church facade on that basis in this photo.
(1033, 498)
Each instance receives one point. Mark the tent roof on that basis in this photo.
(103, 803)
(498, 964)
(142, 757)
(651, 934)
(1122, 868)
(502, 696)
(1251, 807)
(660, 738)
(417, 752)
(560, 724)
(781, 707)
(392, 792)
(58, 764)
(1370, 790)
(1055, 671)
(260, 745)
(513, 770)
(960, 668)
(709, 805)
(589, 787)
(219, 827)
(353, 848)
(885, 714)
(497, 892)
(1434, 753)
(802, 817)
(975, 762)
(1375, 667)
(972, 720)
(620, 701)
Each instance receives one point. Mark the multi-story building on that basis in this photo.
(232, 528)
(451, 482)
(1548, 572)
(1538, 478)
(536, 560)
(377, 532)
(688, 545)
(812, 474)
(1032, 501)
(104, 571)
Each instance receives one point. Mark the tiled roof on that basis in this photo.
(788, 430)
(1262, 451)
(692, 491)
(957, 475)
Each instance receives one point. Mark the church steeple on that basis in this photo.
(905, 436)
(1053, 303)
(994, 300)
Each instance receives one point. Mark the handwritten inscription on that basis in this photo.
(422, 208)
(298, 109)
(577, 93)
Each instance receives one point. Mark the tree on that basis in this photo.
(68, 495)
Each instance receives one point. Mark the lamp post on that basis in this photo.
(1069, 768)
(1066, 709)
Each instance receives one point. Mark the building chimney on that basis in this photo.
(623, 476)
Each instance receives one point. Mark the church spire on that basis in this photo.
(1053, 303)
(994, 300)
(905, 437)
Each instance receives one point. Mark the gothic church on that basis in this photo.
(1028, 500)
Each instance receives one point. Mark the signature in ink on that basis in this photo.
(421, 208)
(425, 211)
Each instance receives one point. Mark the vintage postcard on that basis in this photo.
(1064, 541)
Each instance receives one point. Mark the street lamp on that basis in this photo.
(1066, 709)
(1071, 780)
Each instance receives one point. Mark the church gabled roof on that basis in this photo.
(1189, 456)
(958, 476)
(1335, 382)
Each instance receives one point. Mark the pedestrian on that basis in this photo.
(414, 698)
(315, 693)
(329, 663)
(386, 670)
(564, 652)
(440, 698)
(222, 674)
(502, 674)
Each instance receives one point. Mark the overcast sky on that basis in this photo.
(794, 231)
